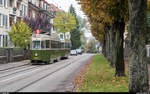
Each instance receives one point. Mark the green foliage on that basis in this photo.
(73, 12)
(99, 78)
(20, 34)
(76, 33)
(83, 41)
(64, 22)
(82, 23)
(91, 46)
(75, 39)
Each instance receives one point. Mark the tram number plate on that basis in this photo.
(35, 57)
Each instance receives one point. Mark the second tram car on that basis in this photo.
(46, 49)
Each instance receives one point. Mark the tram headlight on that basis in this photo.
(36, 54)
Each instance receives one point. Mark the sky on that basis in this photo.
(65, 4)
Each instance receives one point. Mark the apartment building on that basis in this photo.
(4, 22)
(41, 9)
(10, 12)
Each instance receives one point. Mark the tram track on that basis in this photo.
(5, 74)
(40, 70)
(58, 69)
(14, 67)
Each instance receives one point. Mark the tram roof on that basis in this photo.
(45, 37)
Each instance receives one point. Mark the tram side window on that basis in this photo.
(47, 44)
(65, 45)
(59, 44)
(36, 44)
(62, 45)
(42, 44)
(53, 44)
(56, 44)
(69, 45)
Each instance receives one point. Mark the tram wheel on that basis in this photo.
(47, 62)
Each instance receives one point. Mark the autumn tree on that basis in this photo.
(20, 34)
(64, 22)
(112, 16)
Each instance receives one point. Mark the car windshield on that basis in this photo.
(73, 51)
(36, 44)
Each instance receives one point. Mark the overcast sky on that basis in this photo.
(65, 4)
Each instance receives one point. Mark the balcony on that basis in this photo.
(13, 11)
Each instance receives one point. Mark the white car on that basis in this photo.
(73, 52)
(79, 51)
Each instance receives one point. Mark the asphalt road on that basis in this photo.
(56, 77)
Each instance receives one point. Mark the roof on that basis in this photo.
(54, 8)
(43, 37)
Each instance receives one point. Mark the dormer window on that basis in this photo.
(61, 36)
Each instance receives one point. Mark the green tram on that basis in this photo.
(46, 49)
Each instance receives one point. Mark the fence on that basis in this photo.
(13, 54)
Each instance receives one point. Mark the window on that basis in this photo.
(68, 36)
(54, 44)
(62, 45)
(36, 44)
(6, 21)
(1, 20)
(6, 3)
(24, 10)
(61, 36)
(43, 5)
(1, 2)
(47, 44)
(5, 40)
(0, 40)
(43, 44)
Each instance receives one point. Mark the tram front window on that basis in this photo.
(36, 44)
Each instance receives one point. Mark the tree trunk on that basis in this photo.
(112, 48)
(119, 65)
(104, 46)
(138, 71)
(108, 55)
(107, 46)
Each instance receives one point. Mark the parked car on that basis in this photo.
(79, 51)
(73, 52)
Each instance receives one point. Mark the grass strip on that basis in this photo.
(100, 78)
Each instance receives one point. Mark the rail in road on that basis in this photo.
(8, 78)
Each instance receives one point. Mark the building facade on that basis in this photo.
(11, 11)
(41, 9)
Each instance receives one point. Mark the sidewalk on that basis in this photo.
(13, 65)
